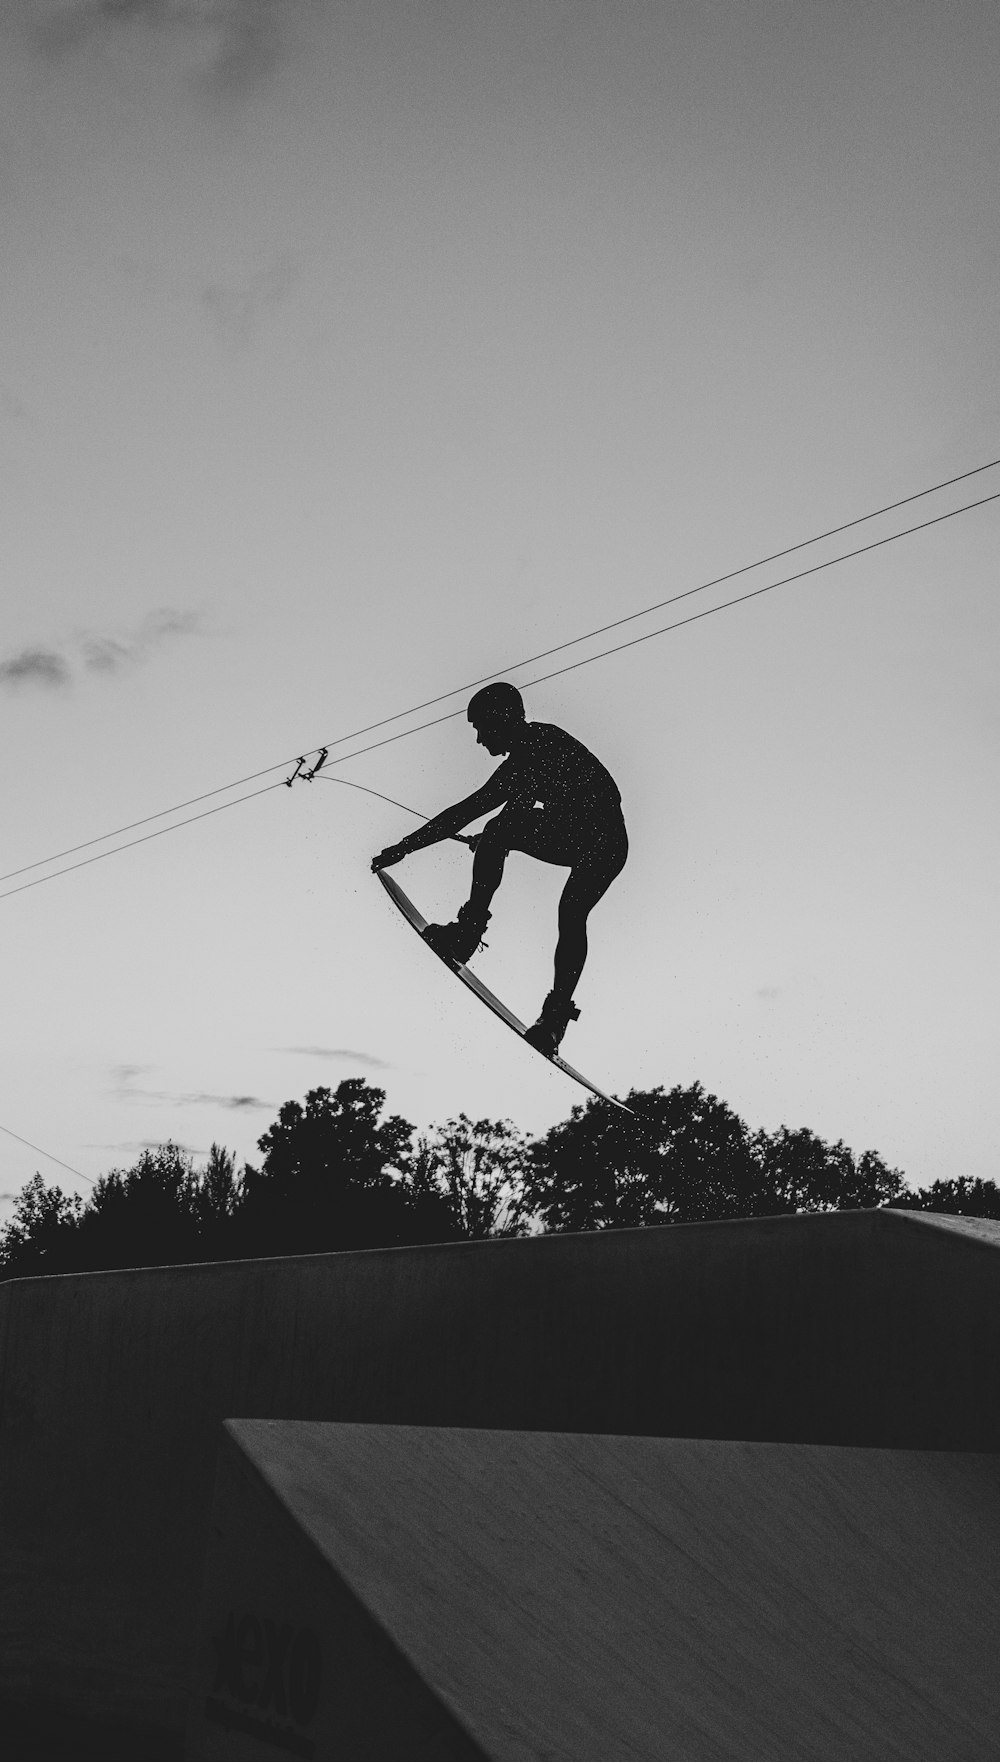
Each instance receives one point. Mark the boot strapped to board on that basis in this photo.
(556, 1014)
(458, 941)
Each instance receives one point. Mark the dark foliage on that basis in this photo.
(688, 1156)
(143, 1215)
(41, 1237)
(477, 1168)
(159, 1212)
(335, 1176)
(799, 1172)
(965, 1196)
(684, 1155)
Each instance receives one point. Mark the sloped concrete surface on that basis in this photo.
(571, 1598)
(873, 1328)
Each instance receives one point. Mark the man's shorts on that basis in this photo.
(593, 844)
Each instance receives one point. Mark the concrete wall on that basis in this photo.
(876, 1328)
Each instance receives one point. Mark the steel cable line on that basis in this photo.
(132, 842)
(658, 606)
(48, 1153)
(662, 630)
(515, 666)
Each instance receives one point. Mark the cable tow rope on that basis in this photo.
(457, 837)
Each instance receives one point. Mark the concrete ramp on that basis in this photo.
(389, 1593)
(877, 1329)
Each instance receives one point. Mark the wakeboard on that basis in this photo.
(483, 992)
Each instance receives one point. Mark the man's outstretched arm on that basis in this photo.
(443, 825)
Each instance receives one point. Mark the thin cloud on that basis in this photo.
(123, 1075)
(124, 1087)
(338, 1052)
(136, 1146)
(59, 26)
(35, 666)
(237, 43)
(132, 1145)
(249, 51)
(237, 312)
(103, 652)
(12, 410)
(238, 1103)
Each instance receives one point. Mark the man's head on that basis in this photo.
(497, 715)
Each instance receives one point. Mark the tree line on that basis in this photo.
(337, 1173)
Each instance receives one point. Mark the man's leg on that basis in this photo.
(571, 948)
(579, 897)
(458, 941)
(492, 849)
(586, 885)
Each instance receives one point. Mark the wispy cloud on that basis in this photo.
(125, 1087)
(250, 47)
(349, 1053)
(238, 1103)
(123, 1075)
(237, 311)
(35, 666)
(12, 410)
(237, 43)
(102, 652)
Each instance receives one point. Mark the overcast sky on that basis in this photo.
(353, 352)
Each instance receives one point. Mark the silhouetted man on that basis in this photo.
(559, 805)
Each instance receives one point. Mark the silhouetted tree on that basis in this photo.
(478, 1168)
(965, 1196)
(799, 1172)
(335, 1176)
(42, 1234)
(684, 1155)
(158, 1212)
(687, 1156)
(215, 1199)
(145, 1215)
